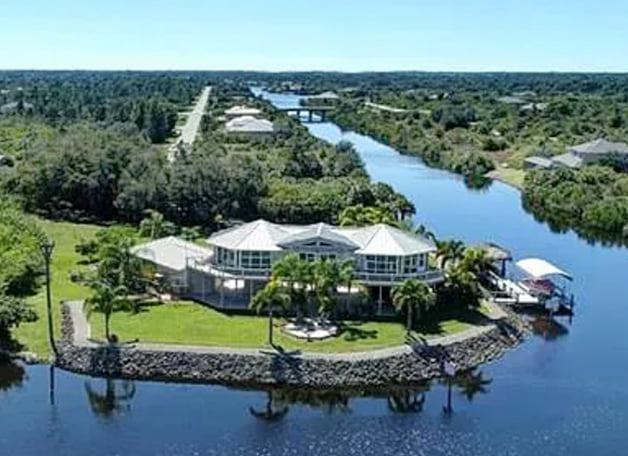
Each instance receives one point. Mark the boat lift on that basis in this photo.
(547, 283)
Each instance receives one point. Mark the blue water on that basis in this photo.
(567, 395)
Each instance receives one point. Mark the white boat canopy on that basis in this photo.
(540, 269)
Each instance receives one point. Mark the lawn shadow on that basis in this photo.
(432, 325)
(352, 332)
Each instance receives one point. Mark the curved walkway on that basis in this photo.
(82, 339)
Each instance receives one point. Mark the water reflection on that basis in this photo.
(407, 400)
(548, 328)
(274, 411)
(399, 400)
(12, 375)
(114, 399)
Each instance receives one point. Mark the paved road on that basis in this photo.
(192, 123)
(82, 339)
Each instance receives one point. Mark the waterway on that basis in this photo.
(564, 391)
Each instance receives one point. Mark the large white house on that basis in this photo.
(239, 260)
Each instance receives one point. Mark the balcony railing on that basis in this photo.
(431, 275)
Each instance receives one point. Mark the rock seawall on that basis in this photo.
(275, 369)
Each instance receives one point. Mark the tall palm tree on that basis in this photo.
(325, 282)
(106, 299)
(269, 298)
(294, 272)
(476, 261)
(412, 296)
(449, 252)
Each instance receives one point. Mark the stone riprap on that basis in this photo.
(270, 368)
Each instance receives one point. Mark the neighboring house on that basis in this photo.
(248, 125)
(591, 152)
(242, 258)
(240, 111)
(535, 162)
(13, 107)
(171, 257)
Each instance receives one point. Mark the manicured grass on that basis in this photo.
(186, 323)
(34, 336)
(510, 176)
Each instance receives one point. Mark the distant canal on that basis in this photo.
(563, 391)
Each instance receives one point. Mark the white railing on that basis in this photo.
(430, 275)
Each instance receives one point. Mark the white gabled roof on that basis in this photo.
(249, 124)
(540, 269)
(387, 240)
(259, 235)
(379, 239)
(171, 252)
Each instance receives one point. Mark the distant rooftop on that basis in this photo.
(569, 160)
(249, 124)
(325, 96)
(242, 111)
(600, 146)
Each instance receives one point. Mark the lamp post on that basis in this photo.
(47, 247)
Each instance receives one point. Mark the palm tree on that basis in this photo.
(106, 299)
(476, 261)
(296, 273)
(326, 278)
(449, 251)
(412, 296)
(267, 299)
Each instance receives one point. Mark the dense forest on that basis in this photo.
(107, 171)
(149, 101)
(86, 144)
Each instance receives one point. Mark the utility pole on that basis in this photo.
(47, 248)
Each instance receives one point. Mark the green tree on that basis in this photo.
(270, 298)
(107, 299)
(449, 252)
(412, 296)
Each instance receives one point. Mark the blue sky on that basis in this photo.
(345, 35)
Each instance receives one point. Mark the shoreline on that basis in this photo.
(266, 368)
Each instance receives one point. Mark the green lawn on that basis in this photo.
(192, 324)
(33, 336)
(509, 176)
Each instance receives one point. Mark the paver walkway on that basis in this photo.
(82, 339)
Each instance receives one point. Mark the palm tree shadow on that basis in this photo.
(352, 332)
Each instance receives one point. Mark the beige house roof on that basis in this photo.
(380, 239)
(171, 252)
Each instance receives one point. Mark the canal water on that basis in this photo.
(565, 390)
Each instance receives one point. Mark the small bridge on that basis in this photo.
(310, 112)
